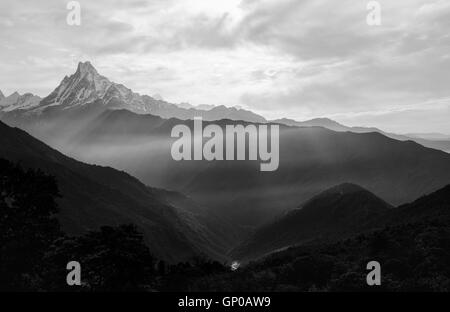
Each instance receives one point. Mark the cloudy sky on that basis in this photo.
(282, 58)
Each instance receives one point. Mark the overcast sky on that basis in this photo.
(282, 58)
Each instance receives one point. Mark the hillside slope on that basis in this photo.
(93, 196)
(340, 211)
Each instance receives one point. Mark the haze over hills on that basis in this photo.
(436, 141)
(311, 159)
(97, 121)
(411, 243)
(429, 136)
(253, 146)
(435, 205)
(175, 227)
(316, 122)
(340, 211)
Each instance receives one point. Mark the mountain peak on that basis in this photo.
(341, 191)
(1, 95)
(86, 68)
(85, 86)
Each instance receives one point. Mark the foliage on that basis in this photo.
(27, 224)
(34, 252)
(413, 257)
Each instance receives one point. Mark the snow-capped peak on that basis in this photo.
(87, 71)
(86, 68)
(85, 86)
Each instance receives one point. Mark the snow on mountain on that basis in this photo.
(86, 86)
(429, 136)
(16, 101)
(1, 95)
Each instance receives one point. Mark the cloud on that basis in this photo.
(402, 62)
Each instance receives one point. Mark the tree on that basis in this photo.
(112, 259)
(27, 225)
(34, 252)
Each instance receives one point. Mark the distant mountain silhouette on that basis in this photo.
(18, 102)
(440, 142)
(86, 86)
(342, 210)
(93, 196)
(311, 160)
(316, 122)
(429, 136)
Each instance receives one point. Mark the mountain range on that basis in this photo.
(17, 101)
(87, 86)
(311, 159)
